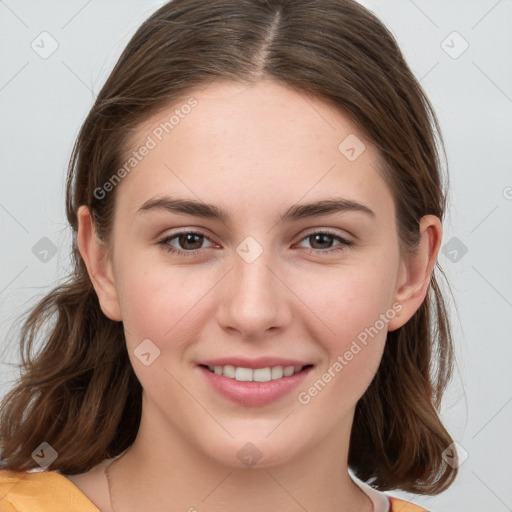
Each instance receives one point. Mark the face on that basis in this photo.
(244, 278)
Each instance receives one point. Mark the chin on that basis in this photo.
(260, 452)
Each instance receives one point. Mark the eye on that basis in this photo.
(321, 242)
(189, 242)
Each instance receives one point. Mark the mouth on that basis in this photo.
(254, 383)
(263, 374)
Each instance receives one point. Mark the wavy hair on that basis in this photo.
(79, 393)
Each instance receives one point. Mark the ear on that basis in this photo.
(99, 266)
(416, 270)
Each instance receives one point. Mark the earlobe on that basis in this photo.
(98, 265)
(415, 273)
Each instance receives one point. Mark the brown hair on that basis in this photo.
(79, 392)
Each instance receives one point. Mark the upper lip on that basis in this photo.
(260, 362)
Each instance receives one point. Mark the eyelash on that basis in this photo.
(164, 242)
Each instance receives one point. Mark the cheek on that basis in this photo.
(354, 352)
(354, 306)
(162, 302)
(347, 300)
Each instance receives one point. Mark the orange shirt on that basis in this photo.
(49, 491)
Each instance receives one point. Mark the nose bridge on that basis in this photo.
(255, 300)
(255, 280)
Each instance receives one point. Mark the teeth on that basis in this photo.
(289, 370)
(257, 375)
(276, 372)
(228, 371)
(262, 375)
(243, 374)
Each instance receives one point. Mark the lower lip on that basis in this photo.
(254, 393)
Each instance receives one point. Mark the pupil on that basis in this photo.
(326, 239)
(185, 239)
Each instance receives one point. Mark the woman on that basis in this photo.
(209, 351)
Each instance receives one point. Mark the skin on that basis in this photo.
(253, 150)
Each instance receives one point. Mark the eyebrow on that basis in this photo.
(293, 213)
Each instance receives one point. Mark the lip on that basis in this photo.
(260, 362)
(253, 393)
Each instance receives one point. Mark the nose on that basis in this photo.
(255, 299)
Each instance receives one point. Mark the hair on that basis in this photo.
(79, 393)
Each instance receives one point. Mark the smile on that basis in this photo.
(257, 386)
(266, 374)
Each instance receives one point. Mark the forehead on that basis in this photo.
(263, 145)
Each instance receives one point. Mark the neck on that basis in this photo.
(164, 471)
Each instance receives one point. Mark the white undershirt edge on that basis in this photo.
(379, 499)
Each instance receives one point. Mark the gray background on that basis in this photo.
(43, 102)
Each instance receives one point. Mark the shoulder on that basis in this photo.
(382, 501)
(397, 505)
(42, 491)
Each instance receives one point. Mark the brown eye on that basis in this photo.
(323, 242)
(190, 241)
(185, 243)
